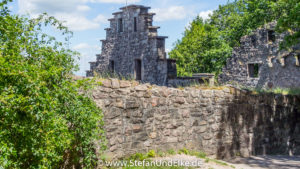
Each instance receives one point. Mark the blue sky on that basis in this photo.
(88, 18)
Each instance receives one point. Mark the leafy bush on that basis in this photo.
(184, 151)
(161, 154)
(138, 156)
(171, 152)
(43, 118)
(199, 154)
(151, 154)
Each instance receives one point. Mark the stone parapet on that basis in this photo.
(223, 122)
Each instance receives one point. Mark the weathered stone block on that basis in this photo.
(124, 91)
(159, 117)
(162, 101)
(185, 113)
(202, 123)
(172, 139)
(137, 113)
(115, 83)
(141, 88)
(113, 148)
(119, 103)
(131, 104)
(106, 83)
(207, 93)
(112, 113)
(154, 101)
(207, 136)
(136, 128)
(100, 96)
(124, 84)
(142, 136)
(179, 100)
(201, 129)
(106, 90)
(153, 135)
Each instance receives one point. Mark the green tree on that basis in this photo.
(43, 117)
(229, 20)
(241, 17)
(289, 20)
(201, 49)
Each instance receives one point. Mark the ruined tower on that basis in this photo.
(133, 48)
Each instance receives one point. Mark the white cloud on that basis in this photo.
(116, 1)
(81, 46)
(205, 14)
(83, 8)
(77, 22)
(73, 12)
(53, 6)
(171, 13)
(85, 46)
(100, 19)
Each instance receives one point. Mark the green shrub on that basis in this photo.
(183, 151)
(161, 154)
(138, 156)
(43, 118)
(151, 154)
(171, 152)
(198, 154)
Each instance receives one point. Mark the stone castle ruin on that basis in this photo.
(259, 62)
(222, 122)
(133, 48)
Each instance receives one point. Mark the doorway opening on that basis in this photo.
(138, 69)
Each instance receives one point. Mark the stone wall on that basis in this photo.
(204, 79)
(223, 122)
(276, 68)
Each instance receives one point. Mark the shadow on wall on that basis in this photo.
(266, 124)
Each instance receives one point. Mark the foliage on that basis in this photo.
(43, 118)
(107, 75)
(198, 154)
(161, 154)
(206, 44)
(283, 91)
(151, 154)
(240, 17)
(138, 156)
(289, 20)
(184, 151)
(171, 152)
(200, 50)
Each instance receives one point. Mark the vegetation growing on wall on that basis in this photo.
(222, 31)
(43, 118)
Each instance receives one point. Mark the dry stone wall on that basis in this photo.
(222, 122)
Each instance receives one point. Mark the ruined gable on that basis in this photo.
(258, 62)
(132, 47)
